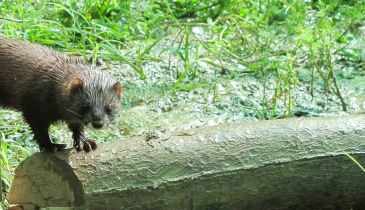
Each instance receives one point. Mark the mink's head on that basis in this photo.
(94, 100)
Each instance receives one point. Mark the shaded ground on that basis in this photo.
(224, 94)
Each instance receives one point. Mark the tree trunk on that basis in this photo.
(280, 164)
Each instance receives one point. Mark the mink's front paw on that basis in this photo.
(86, 145)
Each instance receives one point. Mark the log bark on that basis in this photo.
(278, 164)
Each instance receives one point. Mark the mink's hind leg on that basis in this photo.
(42, 137)
(80, 142)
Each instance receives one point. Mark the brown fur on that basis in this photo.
(48, 86)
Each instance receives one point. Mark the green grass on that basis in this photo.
(266, 37)
(262, 35)
(357, 163)
(12, 152)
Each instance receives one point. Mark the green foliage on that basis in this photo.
(249, 32)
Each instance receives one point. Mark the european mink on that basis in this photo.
(48, 86)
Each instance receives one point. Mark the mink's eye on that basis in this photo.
(85, 107)
(108, 109)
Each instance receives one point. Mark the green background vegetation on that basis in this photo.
(275, 37)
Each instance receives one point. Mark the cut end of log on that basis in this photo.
(44, 180)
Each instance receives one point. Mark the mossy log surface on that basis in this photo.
(278, 164)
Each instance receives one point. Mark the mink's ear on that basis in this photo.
(75, 84)
(117, 87)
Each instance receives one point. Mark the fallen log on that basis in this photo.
(305, 163)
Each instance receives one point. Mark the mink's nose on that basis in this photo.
(96, 117)
(97, 124)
